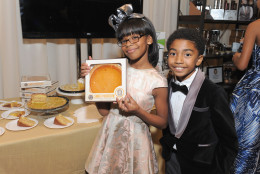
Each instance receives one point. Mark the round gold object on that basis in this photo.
(105, 78)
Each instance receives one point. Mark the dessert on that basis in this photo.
(39, 98)
(105, 78)
(50, 103)
(25, 122)
(79, 87)
(61, 120)
(17, 113)
(81, 84)
(12, 104)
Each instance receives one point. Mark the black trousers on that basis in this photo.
(172, 166)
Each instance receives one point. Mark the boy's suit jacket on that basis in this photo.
(205, 138)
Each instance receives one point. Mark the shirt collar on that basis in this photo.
(188, 81)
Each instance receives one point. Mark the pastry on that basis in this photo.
(12, 104)
(39, 98)
(25, 122)
(81, 84)
(51, 103)
(105, 78)
(17, 113)
(79, 87)
(61, 120)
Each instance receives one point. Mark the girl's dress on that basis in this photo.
(245, 105)
(124, 144)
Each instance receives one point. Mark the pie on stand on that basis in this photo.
(75, 92)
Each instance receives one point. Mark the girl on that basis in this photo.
(124, 144)
(245, 102)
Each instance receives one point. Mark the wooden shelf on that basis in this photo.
(196, 19)
(215, 56)
(190, 19)
(227, 21)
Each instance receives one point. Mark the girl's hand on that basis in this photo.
(85, 69)
(128, 104)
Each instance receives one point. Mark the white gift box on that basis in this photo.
(44, 89)
(35, 81)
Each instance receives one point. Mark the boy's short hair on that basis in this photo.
(188, 34)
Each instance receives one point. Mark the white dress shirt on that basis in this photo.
(177, 98)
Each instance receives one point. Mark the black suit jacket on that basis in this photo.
(205, 138)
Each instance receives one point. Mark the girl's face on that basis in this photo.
(183, 57)
(244, 2)
(135, 46)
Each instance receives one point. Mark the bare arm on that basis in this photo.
(160, 119)
(103, 108)
(241, 60)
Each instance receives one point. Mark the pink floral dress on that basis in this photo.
(124, 144)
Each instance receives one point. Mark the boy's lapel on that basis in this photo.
(189, 103)
(170, 116)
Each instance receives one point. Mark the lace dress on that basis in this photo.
(124, 144)
(245, 105)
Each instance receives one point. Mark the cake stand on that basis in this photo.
(75, 98)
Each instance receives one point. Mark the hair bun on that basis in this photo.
(124, 12)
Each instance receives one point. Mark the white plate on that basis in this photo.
(10, 117)
(2, 131)
(7, 108)
(12, 125)
(50, 123)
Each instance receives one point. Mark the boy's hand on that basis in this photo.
(85, 69)
(127, 104)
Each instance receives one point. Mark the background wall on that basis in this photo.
(57, 57)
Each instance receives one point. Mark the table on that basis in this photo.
(42, 150)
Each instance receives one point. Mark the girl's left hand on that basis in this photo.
(127, 104)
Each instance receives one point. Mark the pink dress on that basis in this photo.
(124, 144)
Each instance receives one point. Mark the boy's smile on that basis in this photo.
(183, 57)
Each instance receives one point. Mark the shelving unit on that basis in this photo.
(199, 21)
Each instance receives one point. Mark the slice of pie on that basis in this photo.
(25, 122)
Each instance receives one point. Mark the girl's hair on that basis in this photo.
(140, 26)
(188, 34)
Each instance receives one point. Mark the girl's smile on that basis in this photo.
(131, 50)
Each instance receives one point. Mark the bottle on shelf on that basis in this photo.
(241, 42)
(238, 40)
(226, 5)
(236, 43)
(233, 5)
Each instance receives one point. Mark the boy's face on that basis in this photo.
(183, 57)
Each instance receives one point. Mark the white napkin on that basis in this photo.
(87, 114)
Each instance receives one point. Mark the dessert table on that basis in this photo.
(43, 150)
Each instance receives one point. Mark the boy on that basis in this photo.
(201, 136)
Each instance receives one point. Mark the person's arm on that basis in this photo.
(158, 120)
(103, 108)
(241, 60)
(224, 126)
